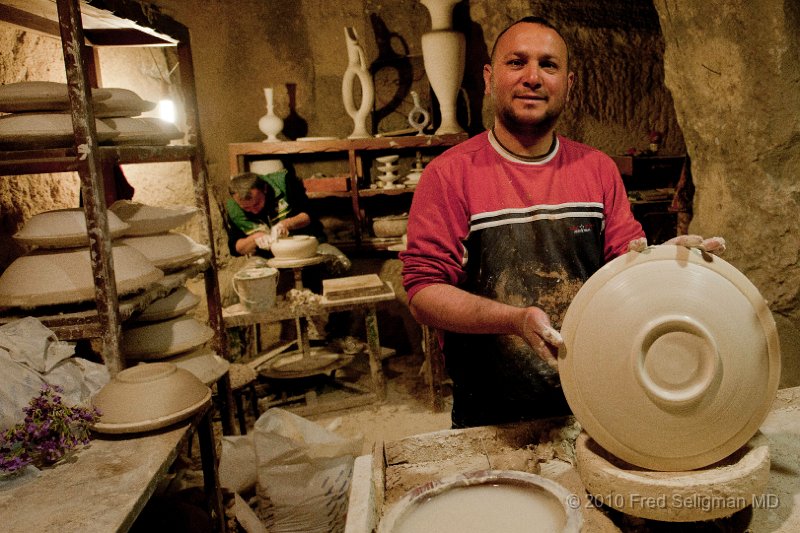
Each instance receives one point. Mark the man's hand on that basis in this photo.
(712, 245)
(279, 230)
(264, 241)
(541, 336)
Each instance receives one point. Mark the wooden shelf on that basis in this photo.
(357, 154)
(18, 162)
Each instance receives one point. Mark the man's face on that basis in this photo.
(528, 79)
(252, 202)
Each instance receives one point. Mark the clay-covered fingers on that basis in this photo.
(541, 336)
(712, 245)
(638, 245)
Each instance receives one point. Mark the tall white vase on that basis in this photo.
(357, 68)
(270, 124)
(443, 53)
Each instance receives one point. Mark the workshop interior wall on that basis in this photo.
(719, 81)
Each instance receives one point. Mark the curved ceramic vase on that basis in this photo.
(357, 68)
(270, 124)
(443, 53)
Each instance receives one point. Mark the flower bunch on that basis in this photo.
(49, 431)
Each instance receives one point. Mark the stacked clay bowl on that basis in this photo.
(149, 396)
(671, 358)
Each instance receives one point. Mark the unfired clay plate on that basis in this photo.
(63, 228)
(177, 303)
(148, 396)
(65, 277)
(169, 251)
(144, 219)
(203, 363)
(671, 358)
(158, 340)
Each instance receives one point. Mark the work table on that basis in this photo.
(547, 447)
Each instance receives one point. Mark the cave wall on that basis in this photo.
(734, 71)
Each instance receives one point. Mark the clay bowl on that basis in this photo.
(489, 500)
(295, 247)
(148, 396)
(391, 226)
(671, 358)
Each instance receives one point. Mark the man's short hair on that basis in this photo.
(241, 184)
(531, 19)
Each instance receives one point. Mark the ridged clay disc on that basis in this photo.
(671, 358)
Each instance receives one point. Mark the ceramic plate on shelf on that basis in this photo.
(158, 340)
(143, 219)
(56, 277)
(318, 138)
(671, 358)
(169, 251)
(63, 228)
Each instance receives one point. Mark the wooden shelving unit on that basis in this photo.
(110, 23)
(358, 155)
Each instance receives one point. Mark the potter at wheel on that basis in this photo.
(683, 366)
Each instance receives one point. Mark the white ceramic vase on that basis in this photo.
(443, 53)
(270, 124)
(357, 68)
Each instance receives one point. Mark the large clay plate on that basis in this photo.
(671, 358)
(157, 340)
(169, 251)
(486, 501)
(65, 276)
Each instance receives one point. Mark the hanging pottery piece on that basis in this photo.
(270, 124)
(357, 68)
(443, 53)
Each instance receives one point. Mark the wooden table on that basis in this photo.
(109, 482)
(237, 315)
(546, 447)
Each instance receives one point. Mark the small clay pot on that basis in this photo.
(295, 247)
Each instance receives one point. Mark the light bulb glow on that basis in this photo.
(166, 110)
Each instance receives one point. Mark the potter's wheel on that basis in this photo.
(671, 358)
(294, 365)
(276, 262)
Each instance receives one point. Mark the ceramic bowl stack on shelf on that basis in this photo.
(39, 117)
(58, 271)
(165, 330)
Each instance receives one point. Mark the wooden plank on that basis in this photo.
(352, 287)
